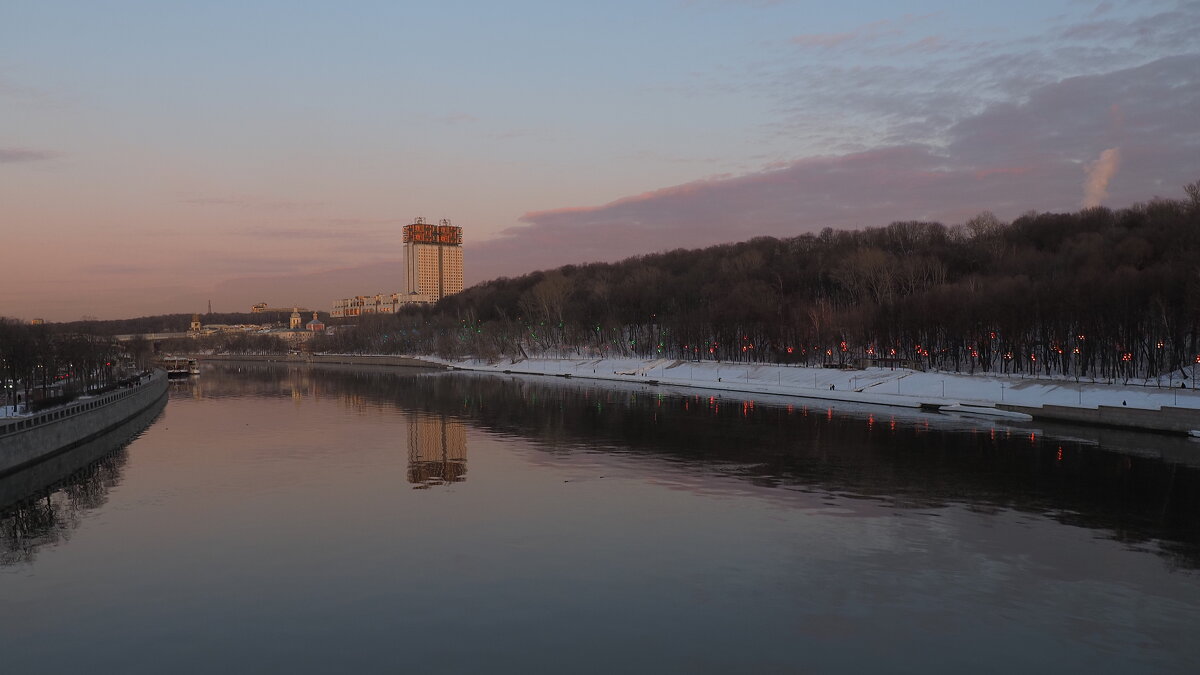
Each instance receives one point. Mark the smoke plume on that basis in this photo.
(1099, 173)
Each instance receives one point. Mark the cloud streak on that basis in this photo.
(890, 84)
(12, 155)
(253, 202)
(865, 34)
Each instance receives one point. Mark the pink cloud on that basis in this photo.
(823, 39)
(1002, 170)
(869, 32)
(14, 155)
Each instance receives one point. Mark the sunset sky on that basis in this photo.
(156, 155)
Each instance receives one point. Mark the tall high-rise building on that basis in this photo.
(433, 260)
(433, 269)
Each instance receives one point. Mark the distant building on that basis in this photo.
(195, 327)
(316, 325)
(37, 322)
(361, 305)
(433, 260)
(264, 308)
(433, 265)
(294, 324)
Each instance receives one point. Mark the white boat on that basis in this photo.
(177, 367)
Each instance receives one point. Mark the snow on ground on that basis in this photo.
(887, 386)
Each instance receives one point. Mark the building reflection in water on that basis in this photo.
(437, 450)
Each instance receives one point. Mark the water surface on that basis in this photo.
(318, 519)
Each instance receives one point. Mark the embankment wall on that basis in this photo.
(1167, 420)
(27, 440)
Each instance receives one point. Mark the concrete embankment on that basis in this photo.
(27, 440)
(1164, 420)
(1148, 409)
(36, 478)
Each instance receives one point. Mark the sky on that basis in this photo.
(158, 155)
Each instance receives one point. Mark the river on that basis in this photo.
(290, 518)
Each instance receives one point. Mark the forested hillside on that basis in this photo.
(1092, 293)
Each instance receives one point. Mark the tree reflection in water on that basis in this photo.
(1106, 480)
(1142, 490)
(43, 504)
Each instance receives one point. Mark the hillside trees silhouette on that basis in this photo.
(1094, 293)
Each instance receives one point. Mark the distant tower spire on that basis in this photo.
(210, 306)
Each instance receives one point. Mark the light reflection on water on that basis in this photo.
(316, 519)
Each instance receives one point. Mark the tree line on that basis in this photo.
(45, 364)
(1092, 293)
(169, 323)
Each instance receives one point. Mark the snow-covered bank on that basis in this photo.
(965, 394)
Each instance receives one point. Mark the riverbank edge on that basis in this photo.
(1173, 421)
(76, 424)
(43, 475)
(1169, 420)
